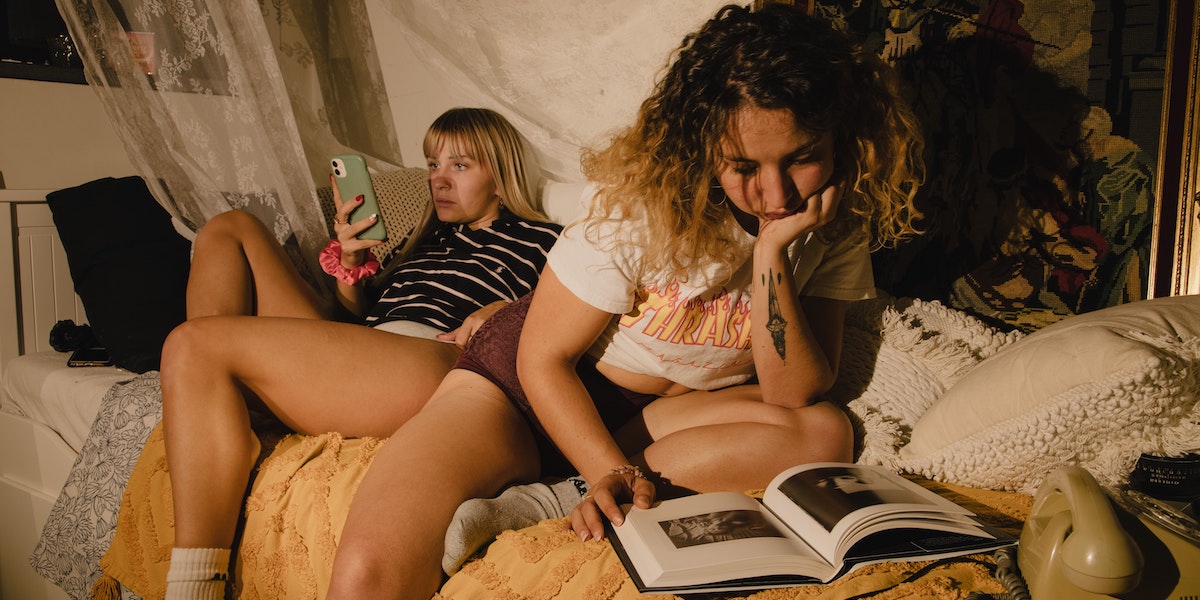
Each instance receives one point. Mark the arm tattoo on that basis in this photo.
(776, 324)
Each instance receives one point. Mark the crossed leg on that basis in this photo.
(730, 440)
(726, 440)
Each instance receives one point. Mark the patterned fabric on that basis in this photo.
(84, 517)
(1040, 197)
(287, 547)
(290, 529)
(263, 70)
(1093, 391)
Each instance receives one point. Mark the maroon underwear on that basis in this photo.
(492, 353)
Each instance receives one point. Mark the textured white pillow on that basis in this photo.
(1095, 390)
(899, 355)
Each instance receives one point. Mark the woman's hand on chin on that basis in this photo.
(817, 210)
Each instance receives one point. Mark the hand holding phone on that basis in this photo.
(352, 179)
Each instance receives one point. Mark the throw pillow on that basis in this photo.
(1095, 390)
(899, 355)
(403, 197)
(128, 263)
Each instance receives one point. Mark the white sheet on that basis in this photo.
(43, 388)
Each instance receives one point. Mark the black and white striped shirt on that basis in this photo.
(457, 271)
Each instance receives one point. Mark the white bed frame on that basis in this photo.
(34, 460)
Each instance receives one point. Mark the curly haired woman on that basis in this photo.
(683, 332)
(773, 156)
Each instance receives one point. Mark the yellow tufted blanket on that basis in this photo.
(303, 489)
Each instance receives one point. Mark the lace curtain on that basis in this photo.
(239, 103)
(226, 105)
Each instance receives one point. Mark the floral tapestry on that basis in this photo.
(1041, 120)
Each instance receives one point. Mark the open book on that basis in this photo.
(815, 522)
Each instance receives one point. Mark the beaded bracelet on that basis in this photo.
(331, 262)
(634, 470)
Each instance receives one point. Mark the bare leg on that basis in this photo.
(239, 269)
(467, 442)
(729, 440)
(316, 376)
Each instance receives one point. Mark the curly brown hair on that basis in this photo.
(663, 168)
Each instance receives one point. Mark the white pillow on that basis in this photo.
(564, 202)
(899, 355)
(1094, 390)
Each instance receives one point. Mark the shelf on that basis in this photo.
(18, 70)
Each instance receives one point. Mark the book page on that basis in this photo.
(825, 502)
(713, 537)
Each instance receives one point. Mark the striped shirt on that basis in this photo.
(458, 270)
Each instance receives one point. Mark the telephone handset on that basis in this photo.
(1073, 541)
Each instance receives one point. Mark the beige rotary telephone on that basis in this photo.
(1079, 544)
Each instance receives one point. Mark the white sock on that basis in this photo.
(478, 521)
(197, 574)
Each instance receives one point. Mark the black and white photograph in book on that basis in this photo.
(831, 493)
(718, 526)
(813, 523)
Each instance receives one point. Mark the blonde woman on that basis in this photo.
(258, 337)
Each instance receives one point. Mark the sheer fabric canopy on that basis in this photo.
(239, 103)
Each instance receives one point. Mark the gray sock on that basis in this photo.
(478, 521)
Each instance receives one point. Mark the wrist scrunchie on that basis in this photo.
(331, 263)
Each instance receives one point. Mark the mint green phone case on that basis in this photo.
(352, 180)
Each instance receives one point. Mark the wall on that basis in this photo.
(56, 135)
(416, 96)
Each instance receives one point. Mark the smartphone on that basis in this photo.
(352, 180)
(90, 357)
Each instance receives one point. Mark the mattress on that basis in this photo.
(42, 388)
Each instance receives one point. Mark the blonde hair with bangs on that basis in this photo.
(485, 136)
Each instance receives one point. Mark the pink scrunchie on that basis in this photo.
(331, 262)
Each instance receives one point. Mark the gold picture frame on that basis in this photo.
(1176, 269)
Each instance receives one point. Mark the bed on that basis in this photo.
(45, 414)
(979, 412)
(49, 411)
(45, 409)
(932, 391)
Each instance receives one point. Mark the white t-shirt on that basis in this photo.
(695, 332)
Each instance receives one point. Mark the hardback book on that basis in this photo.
(814, 523)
